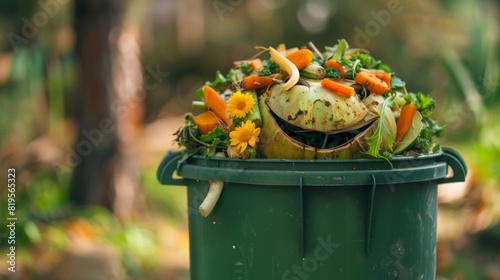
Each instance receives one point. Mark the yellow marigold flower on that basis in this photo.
(240, 104)
(244, 135)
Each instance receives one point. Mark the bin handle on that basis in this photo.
(167, 168)
(454, 160)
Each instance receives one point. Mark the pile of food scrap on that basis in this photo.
(302, 103)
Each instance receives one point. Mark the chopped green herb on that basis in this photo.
(246, 68)
(263, 72)
(272, 66)
(331, 72)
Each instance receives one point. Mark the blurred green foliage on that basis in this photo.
(46, 220)
(18, 95)
(15, 10)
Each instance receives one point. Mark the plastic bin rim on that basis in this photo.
(314, 172)
(321, 161)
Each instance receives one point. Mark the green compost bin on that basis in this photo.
(318, 220)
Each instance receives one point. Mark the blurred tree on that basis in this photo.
(109, 108)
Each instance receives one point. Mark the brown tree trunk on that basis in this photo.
(109, 108)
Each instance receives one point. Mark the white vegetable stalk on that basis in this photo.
(212, 196)
(287, 66)
(211, 199)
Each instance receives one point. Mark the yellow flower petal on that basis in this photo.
(251, 142)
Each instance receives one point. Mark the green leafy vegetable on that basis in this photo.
(376, 140)
(424, 142)
(189, 137)
(425, 105)
(369, 61)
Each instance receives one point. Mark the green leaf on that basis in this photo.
(215, 133)
(219, 80)
(342, 46)
(376, 140)
(397, 83)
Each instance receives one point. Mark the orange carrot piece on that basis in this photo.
(404, 121)
(255, 82)
(386, 77)
(206, 122)
(256, 64)
(337, 87)
(301, 58)
(335, 65)
(216, 104)
(372, 82)
(276, 76)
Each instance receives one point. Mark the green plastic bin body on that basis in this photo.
(319, 220)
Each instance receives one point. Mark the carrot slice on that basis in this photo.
(255, 82)
(372, 82)
(337, 87)
(404, 121)
(206, 122)
(335, 65)
(216, 104)
(301, 58)
(256, 64)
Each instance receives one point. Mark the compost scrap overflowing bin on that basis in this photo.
(314, 219)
